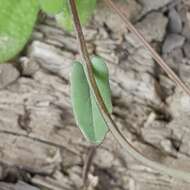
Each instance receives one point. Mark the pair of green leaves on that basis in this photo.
(85, 109)
(17, 19)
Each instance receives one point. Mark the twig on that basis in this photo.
(154, 54)
(88, 162)
(105, 114)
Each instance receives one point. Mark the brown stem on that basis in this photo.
(154, 54)
(84, 54)
(88, 163)
(103, 110)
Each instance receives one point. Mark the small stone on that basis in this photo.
(8, 74)
(187, 49)
(153, 26)
(177, 56)
(100, 156)
(166, 145)
(172, 41)
(167, 86)
(175, 23)
(149, 5)
(29, 66)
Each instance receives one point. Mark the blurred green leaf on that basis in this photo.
(85, 109)
(17, 18)
(52, 6)
(85, 9)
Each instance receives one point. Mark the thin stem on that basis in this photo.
(84, 54)
(88, 163)
(154, 54)
(105, 114)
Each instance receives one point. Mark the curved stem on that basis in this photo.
(87, 165)
(154, 54)
(103, 110)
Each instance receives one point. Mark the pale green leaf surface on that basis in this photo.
(17, 18)
(85, 109)
(85, 9)
(52, 6)
(102, 78)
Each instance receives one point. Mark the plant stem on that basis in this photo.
(105, 114)
(88, 163)
(154, 54)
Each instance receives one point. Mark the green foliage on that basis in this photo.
(85, 9)
(17, 18)
(52, 6)
(85, 109)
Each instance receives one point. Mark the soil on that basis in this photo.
(40, 146)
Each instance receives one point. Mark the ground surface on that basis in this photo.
(150, 110)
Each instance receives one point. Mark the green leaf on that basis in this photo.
(85, 109)
(52, 6)
(101, 74)
(17, 18)
(85, 9)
